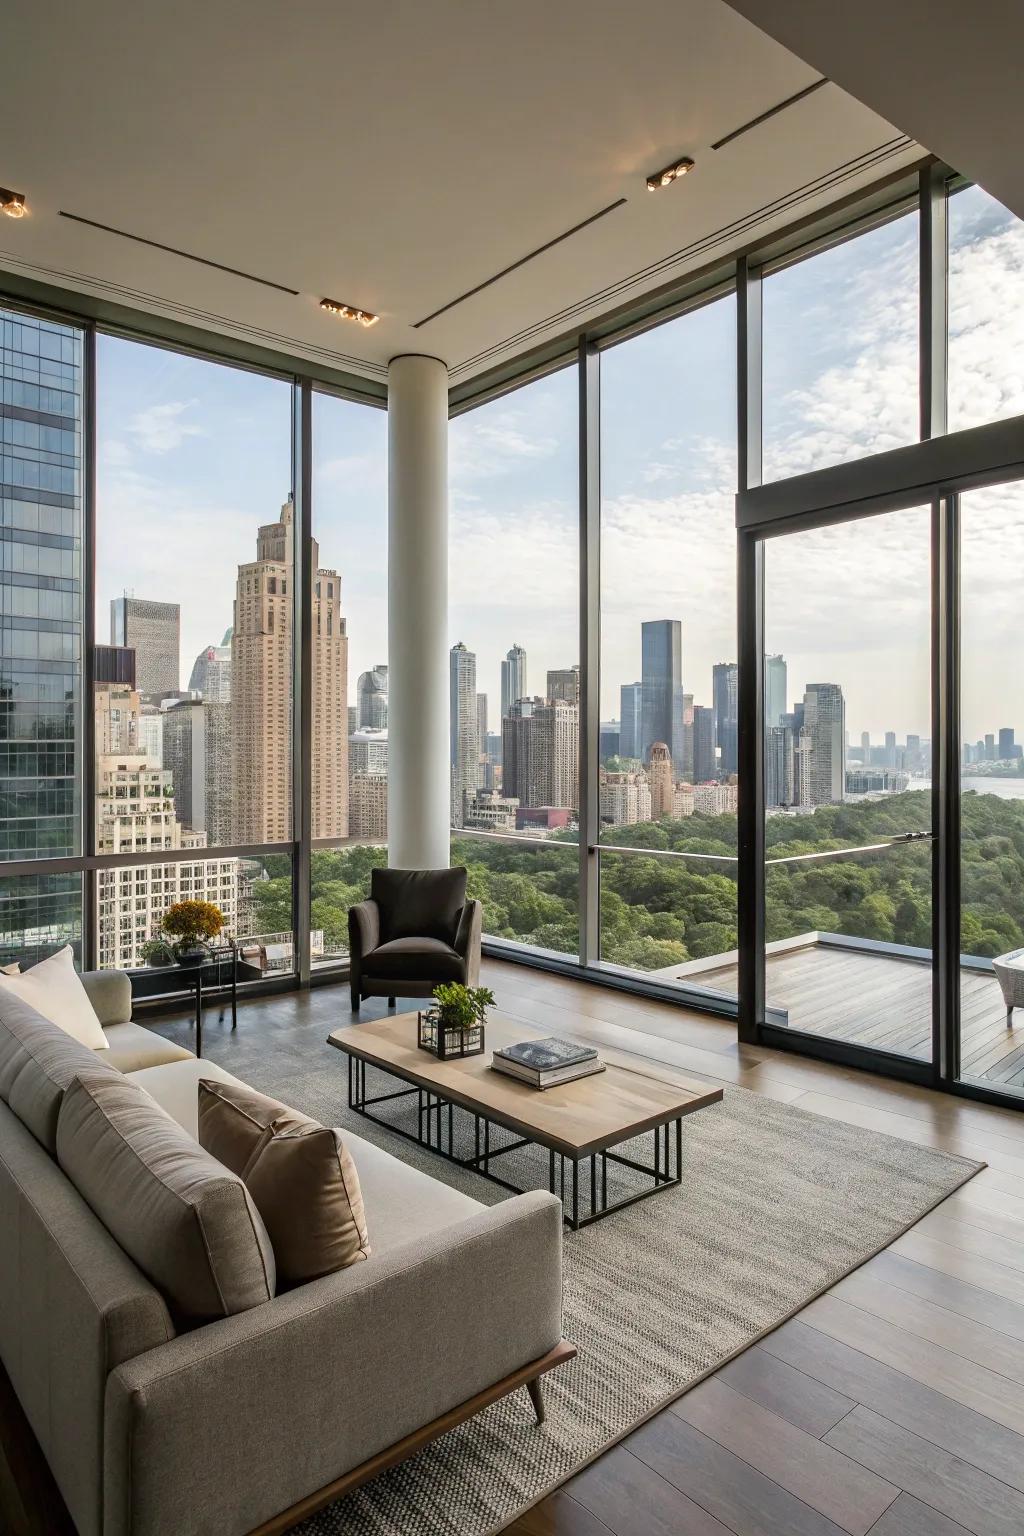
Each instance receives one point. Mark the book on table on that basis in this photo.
(545, 1063)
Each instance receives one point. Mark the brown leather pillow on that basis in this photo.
(300, 1176)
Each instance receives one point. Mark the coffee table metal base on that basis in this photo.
(586, 1176)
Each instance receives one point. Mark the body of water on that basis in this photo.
(1006, 789)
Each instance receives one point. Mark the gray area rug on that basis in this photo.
(776, 1205)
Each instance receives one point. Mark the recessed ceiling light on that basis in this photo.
(349, 312)
(670, 174)
(13, 203)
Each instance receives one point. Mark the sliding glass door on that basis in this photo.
(848, 809)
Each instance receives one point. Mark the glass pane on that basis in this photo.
(992, 789)
(40, 597)
(841, 352)
(339, 877)
(847, 766)
(194, 588)
(668, 644)
(513, 598)
(254, 895)
(986, 310)
(529, 890)
(39, 914)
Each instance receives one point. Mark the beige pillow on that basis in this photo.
(10, 970)
(190, 1225)
(54, 989)
(300, 1175)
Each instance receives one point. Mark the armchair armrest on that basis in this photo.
(467, 939)
(363, 929)
(312, 1384)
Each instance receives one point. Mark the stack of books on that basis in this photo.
(543, 1063)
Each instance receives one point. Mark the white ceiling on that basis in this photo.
(395, 155)
(946, 72)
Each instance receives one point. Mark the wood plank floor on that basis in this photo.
(894, 1405)
(885, 1002)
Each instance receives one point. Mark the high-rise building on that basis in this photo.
(368, 806)
(196, 748)
(372, 699)
(630, 712)
(659, 773)
(153, 631)
(211, 672)
(684, 770)
(865, 745)
(779, 765)
(368, 752)
(774, 689)
(1006, 743)
(135, 814)
(625, 798)
(513, 679)
(261, 682)
(464, 741)
(488, 812)
(825, 733)
(990, 747)
(703, 744)
(41, 367)
(725, 702)
(608, 739)
(483, 765)
(564, 684)
(540, 753)
(661, 669)
(715, 799)
(151, 736)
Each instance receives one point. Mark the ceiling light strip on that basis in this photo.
(547, 246)
(834, 178)
(763, 117)
(173, 250)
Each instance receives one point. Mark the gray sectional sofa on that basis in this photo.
(249, 1423)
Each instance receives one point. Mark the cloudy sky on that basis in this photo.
(193, 457)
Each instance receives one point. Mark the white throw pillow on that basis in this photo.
(54, 989)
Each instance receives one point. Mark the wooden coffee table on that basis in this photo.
(580, 1124)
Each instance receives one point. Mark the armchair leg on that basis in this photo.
(391, 1002)
(356, 999)
(537, 1398)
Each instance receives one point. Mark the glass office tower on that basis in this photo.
(40, 628)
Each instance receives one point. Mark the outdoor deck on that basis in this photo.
(884, 1001)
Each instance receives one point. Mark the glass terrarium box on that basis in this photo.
(447, 1040)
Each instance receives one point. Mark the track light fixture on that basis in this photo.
(669, 174)
(348, 312)
(13, 203)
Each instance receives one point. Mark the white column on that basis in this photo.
(418, 694)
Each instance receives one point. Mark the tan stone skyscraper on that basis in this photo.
(261, 689)
(659, 772)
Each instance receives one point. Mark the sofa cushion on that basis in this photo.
(418, 903)
(54, 989)
(37, 1062)
(175, 1087)
(405, 1204)
(189, 1224)
(299, 1173)
(235, 1121)
(427, 960)
(132, 1048)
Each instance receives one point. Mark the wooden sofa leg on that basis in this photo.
(536, 1392)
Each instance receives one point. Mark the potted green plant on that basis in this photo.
(156, 951)
(190, 925)
(454, 1026)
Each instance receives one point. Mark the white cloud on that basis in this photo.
(162, 428)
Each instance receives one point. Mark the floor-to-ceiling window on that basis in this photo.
(986, 310)
(192, 699)
(667, 780)
(991, 972)
(514, 661)
(350, 664)
(41, 630)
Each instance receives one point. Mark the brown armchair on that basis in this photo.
(416, 930)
